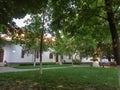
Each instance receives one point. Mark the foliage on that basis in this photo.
(81, 20)
(33, 33)
(10, 9)
(85, 20)
(76, 61)
(88, 20)
(63, 44)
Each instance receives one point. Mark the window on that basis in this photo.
(22, 53)
(61, 57)
(1, 55)
(70, 57)
(50, 56)
(37, 54)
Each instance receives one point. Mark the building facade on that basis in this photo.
(14, 54)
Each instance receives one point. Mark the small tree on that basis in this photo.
(37, 27)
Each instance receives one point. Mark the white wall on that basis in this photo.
(66, 59)
(46, 57)
(12, 54)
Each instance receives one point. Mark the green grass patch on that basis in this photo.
(30, 66)
(80, 78)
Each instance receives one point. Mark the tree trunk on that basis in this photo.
(41, 44)
(72, 60)
(41, 52)
(114, 34)
(80, 56)
(57, 60)
(34, 58)
(61, 59)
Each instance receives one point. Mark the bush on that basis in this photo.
(28, 64)
(76, 61)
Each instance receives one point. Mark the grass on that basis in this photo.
(79, 78)
(38, 66)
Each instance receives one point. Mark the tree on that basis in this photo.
(36, 29)
(63, 45)
(114, 34)
(10, 9)
(71, 15)
(76, 14)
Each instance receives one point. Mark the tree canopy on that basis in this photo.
(10, 9)
(98, 19)
(85, 18)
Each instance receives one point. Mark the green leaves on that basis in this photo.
(17, 9)
(85, 20)
(1, 28)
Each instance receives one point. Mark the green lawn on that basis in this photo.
(79, 78)
(38, 66)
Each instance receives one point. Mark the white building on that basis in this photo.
(14, 54)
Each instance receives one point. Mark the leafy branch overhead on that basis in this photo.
(88, 21)
(10, 9)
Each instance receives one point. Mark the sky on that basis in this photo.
(20, 22)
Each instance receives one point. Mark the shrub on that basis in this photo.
(76, 61)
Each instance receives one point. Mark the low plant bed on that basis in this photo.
(38, 66)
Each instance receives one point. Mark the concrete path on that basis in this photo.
(10, 69)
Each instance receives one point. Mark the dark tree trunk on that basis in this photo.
(113, 31)
(114, 34)
(57, 58)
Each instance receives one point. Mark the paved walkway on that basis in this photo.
(10, 69)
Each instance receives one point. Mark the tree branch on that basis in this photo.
(102, 17)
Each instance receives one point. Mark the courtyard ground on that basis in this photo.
(61, 78)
